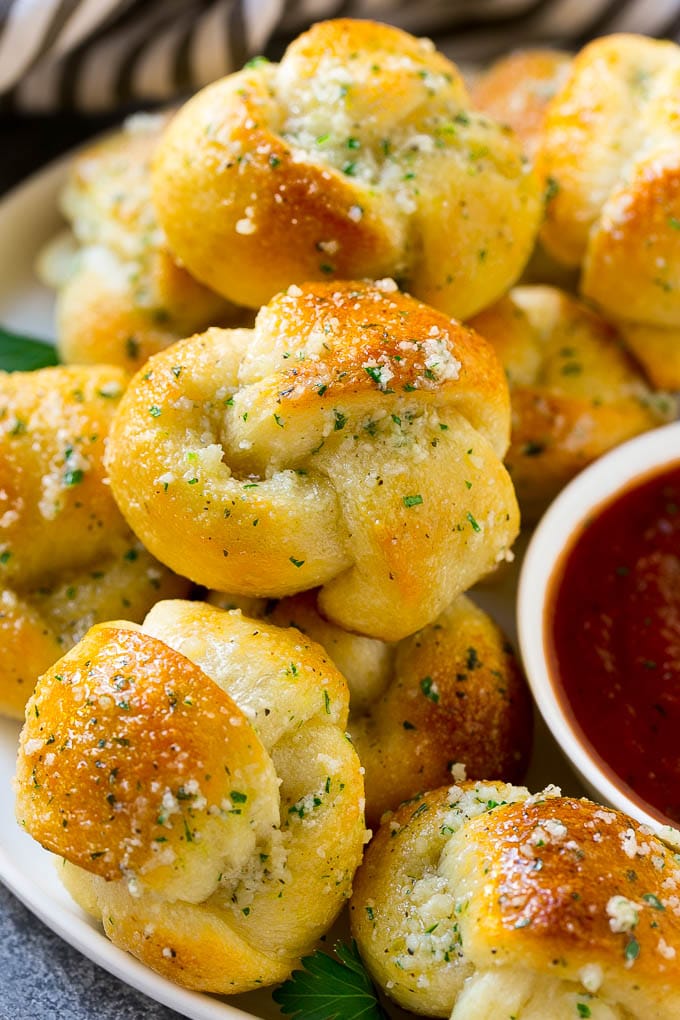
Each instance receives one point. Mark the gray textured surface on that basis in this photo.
(43, 978)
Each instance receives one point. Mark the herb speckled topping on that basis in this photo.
(608, 155)
(67, 556)
(575, 391)
(480, 900)
(351, 440)
(122, 296)
(452, 692)
(196, 777)
(357, 156)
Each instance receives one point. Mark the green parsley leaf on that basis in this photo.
(427, 686)
(330, 989)
(255, 62)
(473, 523)
(375, 373)
(24, 354)
(632, 950)
(412, 500)
(73, 477)
(552, 187)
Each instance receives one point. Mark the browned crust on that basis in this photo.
(608, 158)
(67, 556)
(377, 327)
(343, 36)
(562, 907)
(574, 391)
(246, 459)
(457, 696)
(249, 207)
(633, 250)
(539, 885)
(214, 842)
(298, 206)
(451, 693)
(116, 722)
(54, 506)
(658, 351)
(29, 647)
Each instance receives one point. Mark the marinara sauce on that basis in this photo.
(613, 636)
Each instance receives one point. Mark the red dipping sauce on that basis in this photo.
(612, 635)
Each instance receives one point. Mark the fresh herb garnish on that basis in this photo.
(24, 354)
(429, 689)
(330, 989)
(473, 523)
(632, 950)
(552, 187)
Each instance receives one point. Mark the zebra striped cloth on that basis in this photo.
(93, 55)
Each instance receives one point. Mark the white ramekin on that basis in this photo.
(596, 486)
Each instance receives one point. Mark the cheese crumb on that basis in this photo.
(386, 285)
(245, 226)
(591, 977)
(668, 952)
(623, 914)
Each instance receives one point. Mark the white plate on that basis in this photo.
(29, 218)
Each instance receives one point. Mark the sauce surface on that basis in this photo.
(612, 633)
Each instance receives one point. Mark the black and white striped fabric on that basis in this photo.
(96, 54)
